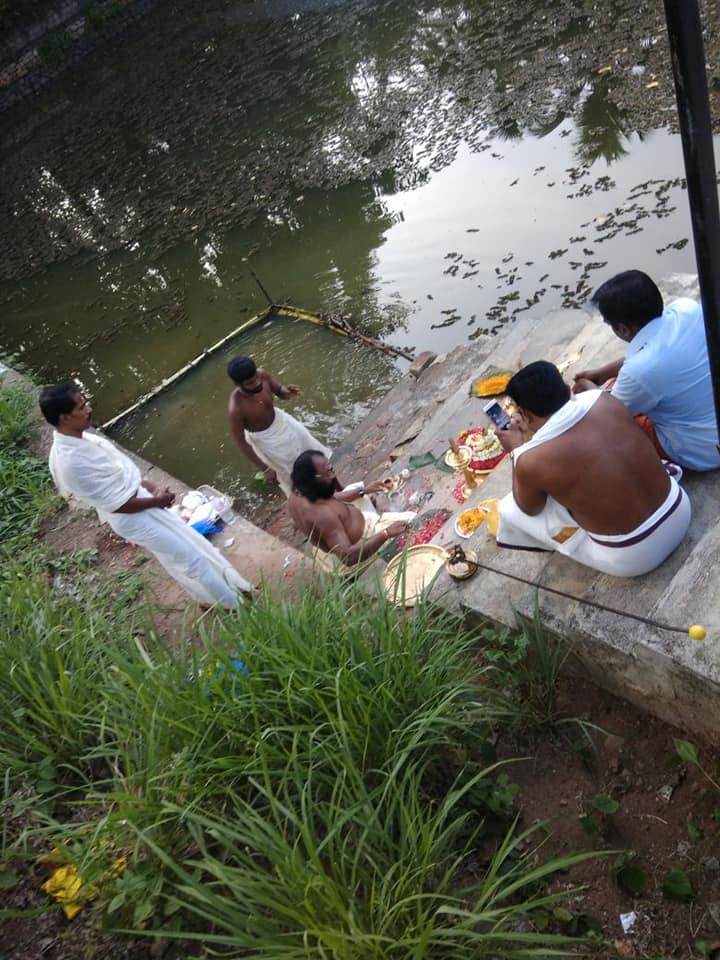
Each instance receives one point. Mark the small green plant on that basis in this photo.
(597, 812)
(677, 886)
(627, 873)
(688, 753)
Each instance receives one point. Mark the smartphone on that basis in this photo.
(495, 412)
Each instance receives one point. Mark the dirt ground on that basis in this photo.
(668, 813)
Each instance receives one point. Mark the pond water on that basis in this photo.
(429, 170)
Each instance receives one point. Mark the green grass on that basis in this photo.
(329, 801)
(26, 492)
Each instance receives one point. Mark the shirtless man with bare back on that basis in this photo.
(269, 437)
(587, 481)
(324, 511)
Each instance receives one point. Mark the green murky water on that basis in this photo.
(430, 170)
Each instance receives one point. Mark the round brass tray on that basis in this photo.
(408, 573)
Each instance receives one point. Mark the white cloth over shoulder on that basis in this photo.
(94, 471)
(98, 475)
(282, 443)
(554, 529)
(562, 420)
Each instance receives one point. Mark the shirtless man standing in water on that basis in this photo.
(269, 437)
(322, 510)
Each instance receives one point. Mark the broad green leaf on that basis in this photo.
(686, 751)
(677, 886)
(631, 878)
(605, 803)
(8, 879)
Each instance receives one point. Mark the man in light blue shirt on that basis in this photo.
(665, 375)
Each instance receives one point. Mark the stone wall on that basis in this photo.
(69, 31)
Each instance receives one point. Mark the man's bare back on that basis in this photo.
(317, 519)
(321, 509)
(604, 470)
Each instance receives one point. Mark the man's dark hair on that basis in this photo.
(304, 478)
(539, 388)
(58, 399)
(241, 369)
(630, 297)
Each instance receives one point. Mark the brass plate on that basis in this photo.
(421, 563)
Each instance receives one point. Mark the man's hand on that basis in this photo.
(511, 437)
(377, 486)
(165, 497)
(597, 377)
(590, 375)
(582, 384)
(292, 390)
(397, 528)
(270, 475)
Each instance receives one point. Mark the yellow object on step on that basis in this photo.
(697, 632)
(490, 383)
(490, 507)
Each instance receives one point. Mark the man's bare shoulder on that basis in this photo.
(320, 515)
(236, 401)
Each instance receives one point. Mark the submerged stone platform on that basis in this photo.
(614, 626)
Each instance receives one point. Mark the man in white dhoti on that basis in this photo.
(269, 437)
(587, 481)
(97, 474)
(325, 512)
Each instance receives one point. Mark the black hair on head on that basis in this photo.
(58, 399)
(241, 369)
(539, 388)
(630, 297)
(304, 477)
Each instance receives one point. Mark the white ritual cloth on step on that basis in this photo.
(282, 443)
(98, 475)
(376, 522)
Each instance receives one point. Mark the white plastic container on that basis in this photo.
(220, 501)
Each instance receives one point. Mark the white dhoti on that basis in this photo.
(626, 555)
(377, 522)
(282, 443)
(99, 475)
